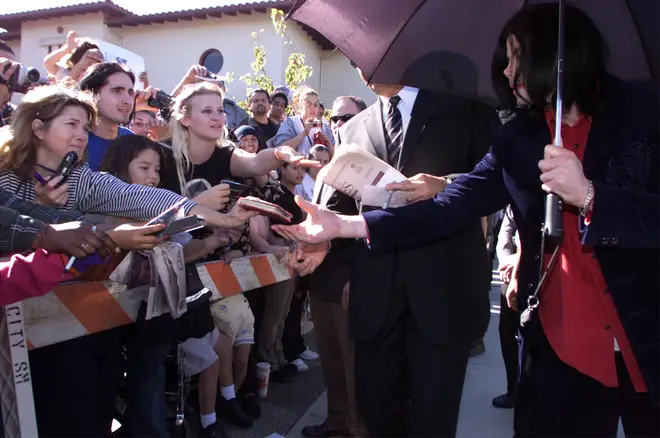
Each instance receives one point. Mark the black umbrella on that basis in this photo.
(448, 45)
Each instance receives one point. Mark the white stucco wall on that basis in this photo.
(15, 46)
(111, 36)
(340, 79)
(170, 49)
(37, 35)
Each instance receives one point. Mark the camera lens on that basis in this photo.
(33, 75)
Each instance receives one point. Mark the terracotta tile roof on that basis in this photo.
(244, 8)
(13, 21)
(116, 16)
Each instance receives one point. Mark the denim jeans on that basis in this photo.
(145, 391)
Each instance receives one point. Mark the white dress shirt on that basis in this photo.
(408, 96)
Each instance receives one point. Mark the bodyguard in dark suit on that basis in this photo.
(415, 308)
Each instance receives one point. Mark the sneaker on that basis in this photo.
(214, 430)
(504, 401)
(300, 364)
(309, 355)
(251, 406)
(233, 411)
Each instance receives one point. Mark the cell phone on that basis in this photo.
(65, 167)
(238, 190)
(187, 224)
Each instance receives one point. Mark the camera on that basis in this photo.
(24, 78)
(162, 101)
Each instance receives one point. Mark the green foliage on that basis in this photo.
(295, 74)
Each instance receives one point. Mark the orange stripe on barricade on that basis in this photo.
(92, 305)
(224, 279)
(264, 271)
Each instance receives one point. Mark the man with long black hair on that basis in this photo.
(591, 350)
(113, 85)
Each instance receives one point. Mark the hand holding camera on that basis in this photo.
(311, 124)
(17, 77)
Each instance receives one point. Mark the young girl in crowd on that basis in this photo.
(318, 153)
(138, 160)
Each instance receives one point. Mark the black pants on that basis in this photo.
(257, 301)
(75, 385)
(508, 329)
(293, 343)
(405, 385)
(572, 404)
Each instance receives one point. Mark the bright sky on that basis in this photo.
(138, 7)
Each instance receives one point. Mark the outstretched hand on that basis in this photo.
(308, 257)
(291, 156)
(321, 225)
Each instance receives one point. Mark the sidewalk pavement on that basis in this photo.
(485, 380)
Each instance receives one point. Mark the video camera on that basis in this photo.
(163, 102)
(24, 79)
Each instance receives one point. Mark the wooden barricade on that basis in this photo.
(78, 309)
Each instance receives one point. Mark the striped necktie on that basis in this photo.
(394, 127)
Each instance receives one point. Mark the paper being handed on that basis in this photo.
(355, 172)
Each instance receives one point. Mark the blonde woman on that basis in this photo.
(203, 157)
(75, 382)
(202, 151)
(298, 131)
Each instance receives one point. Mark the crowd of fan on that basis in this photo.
(140, 151)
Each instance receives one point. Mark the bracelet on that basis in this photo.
(587, 201)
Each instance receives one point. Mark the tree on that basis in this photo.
(295, 74)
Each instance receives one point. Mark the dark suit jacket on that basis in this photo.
(446, 280)
(621, 159)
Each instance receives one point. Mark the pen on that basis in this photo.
(73, 259)
(40, 178)
(389, 199)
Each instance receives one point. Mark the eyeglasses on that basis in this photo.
(345, 118)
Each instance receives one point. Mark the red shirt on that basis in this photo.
(23, 277)
(577, 312)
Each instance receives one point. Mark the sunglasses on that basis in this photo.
(345, 118)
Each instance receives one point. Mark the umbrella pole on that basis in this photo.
(553, 225)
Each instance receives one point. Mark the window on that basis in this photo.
(213, 60)
(53, 47)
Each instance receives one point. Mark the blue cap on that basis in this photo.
(244, 130)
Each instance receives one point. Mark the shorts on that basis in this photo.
(199, 354)
(234, 318)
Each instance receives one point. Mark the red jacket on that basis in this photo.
(23, 277)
